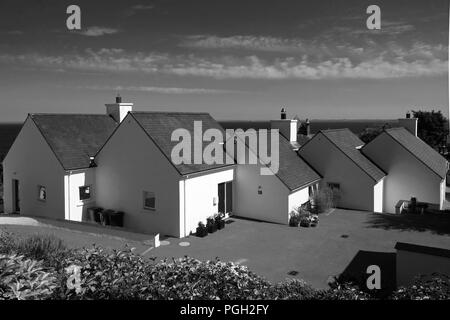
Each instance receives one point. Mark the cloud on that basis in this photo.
(163, 90)
(97, 31)
(259, 43)
(142, 7)
(345, 62)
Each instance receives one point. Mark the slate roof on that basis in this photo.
(420, 149)
(347, 142)
(160, 125)
(293, 171)
(74, 137)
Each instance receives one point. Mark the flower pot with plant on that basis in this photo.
(294, 219)
(201, 231)
(211, 225)
(220, 222)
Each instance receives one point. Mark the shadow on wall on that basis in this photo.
(356, 271)
(438, 224)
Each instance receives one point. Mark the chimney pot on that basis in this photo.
(283, 113)
(408, 115)
(118, 99)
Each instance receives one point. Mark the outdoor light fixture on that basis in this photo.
(259, 190)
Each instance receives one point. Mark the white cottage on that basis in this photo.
(413, 168)
(135, 174)
(336, 156)
(48, 170)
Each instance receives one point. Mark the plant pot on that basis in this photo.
(201, 232)
(212, 228)
(220, 224)
(293, 224)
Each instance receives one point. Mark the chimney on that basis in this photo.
(287, 127)
(283, 114)
(305, 128)
(119, 110)
(409, 123)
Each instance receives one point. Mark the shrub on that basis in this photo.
(432, 287)
(48, 248)
(343, 291)
(96, 273)
(188, 278)
(291, 290)
(24, 279)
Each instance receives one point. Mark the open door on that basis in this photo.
(225, 191)
(16, 199)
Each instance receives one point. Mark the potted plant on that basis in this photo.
(211, 225)
(201, 231)
(294, 219)
(220, 222)
(314, 220)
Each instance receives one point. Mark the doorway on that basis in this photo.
(225, 191)
(16, 198)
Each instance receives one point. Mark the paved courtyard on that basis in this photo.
(344, 241)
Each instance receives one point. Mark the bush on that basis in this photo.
(24, 279)
(433, 287)
(96, 273)
(343, 291)
(48, 248)
(292, 290)
(188, 278)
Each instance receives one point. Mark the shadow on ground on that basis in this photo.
(356, 271)
(435, 223)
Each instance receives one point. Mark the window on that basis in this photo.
(42, 193)
(334, 186)
(149, 200)
(85, 193)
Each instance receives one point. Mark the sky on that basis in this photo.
(240, 60)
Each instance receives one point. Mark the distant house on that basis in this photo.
(336, 156)
(413, 168)
(48, 171)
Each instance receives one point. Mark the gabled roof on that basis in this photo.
(160, 125)
(293, 171)
(73, 138)
(348, 143)
(419, 149)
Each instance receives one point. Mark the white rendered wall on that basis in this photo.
(201, 197)
(73, 180)
(356, 187)
(31, 161)
(129, 164)
(271, 205)
(297, 198)
(378, 196)
(406, 176)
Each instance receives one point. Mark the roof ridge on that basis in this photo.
(169, 112)
(66, 114)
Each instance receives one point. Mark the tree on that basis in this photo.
(371, 133)
(432, 127)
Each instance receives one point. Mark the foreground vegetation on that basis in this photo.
(41, 267)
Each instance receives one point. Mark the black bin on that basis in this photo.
(116, 218)
(105, 217)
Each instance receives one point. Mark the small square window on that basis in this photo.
(85, 193)
(42, 193)
(149, 200)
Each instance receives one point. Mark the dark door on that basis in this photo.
(16, 199)
(225, 191)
